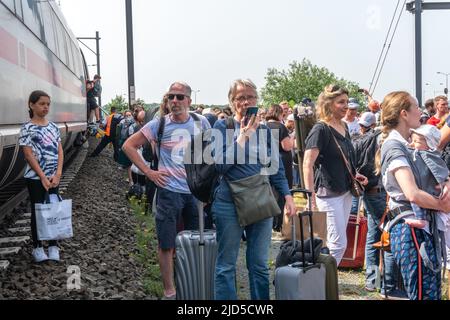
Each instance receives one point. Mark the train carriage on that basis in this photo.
(37, 52)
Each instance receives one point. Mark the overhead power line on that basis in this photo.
(389, 47)
(384, 46)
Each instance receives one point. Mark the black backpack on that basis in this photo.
(202, 177)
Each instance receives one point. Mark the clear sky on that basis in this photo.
(209, 43)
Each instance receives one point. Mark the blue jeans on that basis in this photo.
(295, 175)
(355, 206)
(229, 234)
(375, 205)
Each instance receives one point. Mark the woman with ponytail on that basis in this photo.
(416, 251)
(332, 181)
(41, 144)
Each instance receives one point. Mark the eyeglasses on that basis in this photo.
(180, 97)
(245, 98)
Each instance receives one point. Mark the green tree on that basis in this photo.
(140, 102)
(119, 102)
(302, 80)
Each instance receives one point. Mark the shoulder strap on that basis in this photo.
(197, 120)
(162, 124)
(230, 123)
(347, 164)
(397, 145)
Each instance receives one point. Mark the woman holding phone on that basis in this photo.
(243, 96)
(332, 181)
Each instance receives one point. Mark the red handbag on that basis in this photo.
(356, 243)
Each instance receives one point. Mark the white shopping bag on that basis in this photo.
(54, 219)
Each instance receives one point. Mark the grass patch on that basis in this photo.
(147, 248)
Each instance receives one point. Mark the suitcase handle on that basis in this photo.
(309, 214)
(303, 191)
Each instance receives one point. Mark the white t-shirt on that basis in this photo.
(353, 127)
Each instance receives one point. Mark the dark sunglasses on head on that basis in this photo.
(180, 97)
(335, 88)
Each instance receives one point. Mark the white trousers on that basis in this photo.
(338, 214)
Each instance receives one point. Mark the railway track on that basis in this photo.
(16, 193)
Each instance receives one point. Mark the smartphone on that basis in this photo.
(251, 111)
(361, 90)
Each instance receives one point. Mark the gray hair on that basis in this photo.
(240, 82)
(184, 84)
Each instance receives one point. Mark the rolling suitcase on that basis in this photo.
(302, 280)
(331, 282)
(356, 243)
(195, 261)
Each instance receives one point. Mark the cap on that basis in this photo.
(367, 119)
(290, 117)
(431, 134)
(306, 101)
(353, 105)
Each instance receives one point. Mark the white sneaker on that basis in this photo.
(39, 255)
(53, 253)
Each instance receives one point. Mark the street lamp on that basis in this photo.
(195, 96)
(433, 89)
(446, 81)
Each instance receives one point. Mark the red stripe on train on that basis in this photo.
(8, 48)
(45, 71)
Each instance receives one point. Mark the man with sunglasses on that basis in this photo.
(174, 200)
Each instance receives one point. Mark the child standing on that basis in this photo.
(41, 144)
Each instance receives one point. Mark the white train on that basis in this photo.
(37, 52)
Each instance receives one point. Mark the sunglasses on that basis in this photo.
(180, 97)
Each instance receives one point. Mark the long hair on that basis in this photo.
(274, 112)
(393, 104)
(34, 98)
(164, 106)
(326, 100)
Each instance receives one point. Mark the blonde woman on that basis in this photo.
(331, 181)
(414, 249)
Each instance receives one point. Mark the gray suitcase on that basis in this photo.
(303, 280)
(195, 261)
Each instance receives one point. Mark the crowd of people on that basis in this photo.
(396, 150)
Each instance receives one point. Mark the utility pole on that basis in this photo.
(130, 54)
(417, 7)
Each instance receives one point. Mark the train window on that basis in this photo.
(76, 57)
(9, 4)
(61, 41)
(18, 6)
(69, 52)
(50, 37)
(32, 17)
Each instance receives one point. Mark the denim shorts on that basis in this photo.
(170, 208)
